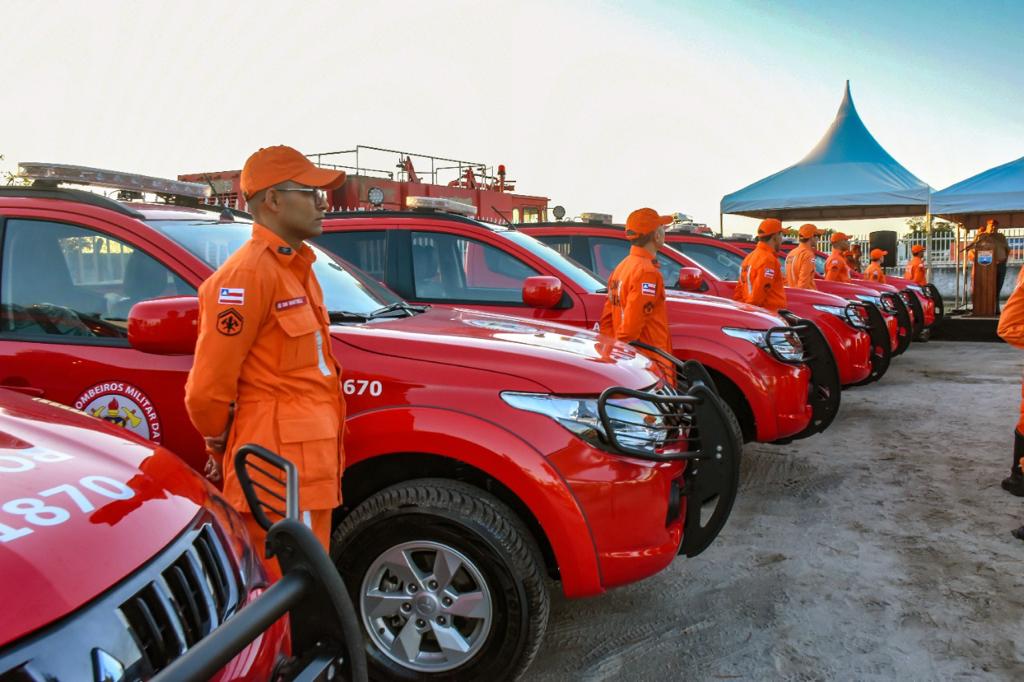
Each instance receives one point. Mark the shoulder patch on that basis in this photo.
(769, 273)
(229, 296)
(649, 289)
(230, 322)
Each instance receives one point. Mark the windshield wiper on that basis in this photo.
(407, 308)
(337, 316)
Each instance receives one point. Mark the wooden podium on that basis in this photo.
(983, 278)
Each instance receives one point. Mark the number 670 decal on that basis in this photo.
(361, 387)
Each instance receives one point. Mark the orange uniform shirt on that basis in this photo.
(761, 282)
(800, 267)
(836, 267)
(1011, 330)
(874, 273)
(916, 271)
(264, 344)
(635, 309)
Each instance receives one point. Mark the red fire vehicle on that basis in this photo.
(484, 187)
(436, 256)
(601, 246)
(724, 257)
(483, 452)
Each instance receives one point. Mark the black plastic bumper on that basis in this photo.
(824, 390)
(906, 328)
(881, 344)
(940, 306)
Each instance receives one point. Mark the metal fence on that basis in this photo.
(943, 243)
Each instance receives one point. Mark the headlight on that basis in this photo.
(638, 423)
(847, 314)
(785, 345)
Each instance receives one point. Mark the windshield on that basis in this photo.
(345, 288)
(722, 263)
(579, 275)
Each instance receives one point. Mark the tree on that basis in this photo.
(10, 178)
(940, 228)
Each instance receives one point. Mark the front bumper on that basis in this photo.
(824, 389)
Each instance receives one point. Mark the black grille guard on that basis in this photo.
(824, 389)
(902, 318)
(881, 345)
(932, 292)
(917, 319)
(714, 441)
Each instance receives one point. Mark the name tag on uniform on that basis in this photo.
(649, 289)
(290, 303)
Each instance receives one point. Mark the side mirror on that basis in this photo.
(690, 279)
(164, 326)
(542, 291)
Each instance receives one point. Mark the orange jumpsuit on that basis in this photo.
(761, 282)
(874, 273)
(635, 308)
(836, 267)
(916, 271)
(1011, 330)
(264, 344)
(800, 267)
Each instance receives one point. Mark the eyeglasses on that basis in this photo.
(319, 195)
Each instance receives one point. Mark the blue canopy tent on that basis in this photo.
(847, 175)
(996, 193)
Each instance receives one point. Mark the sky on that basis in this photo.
(600, 106)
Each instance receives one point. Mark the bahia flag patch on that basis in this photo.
(231, 296)
(649, 289)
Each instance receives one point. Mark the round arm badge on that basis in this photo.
(122, 404)
(229, 322)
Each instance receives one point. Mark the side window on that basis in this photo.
(607, 254)
(560, 243)
(723, 264)
(365, 250)
(61, 279)
(669, 271)
(453, 268)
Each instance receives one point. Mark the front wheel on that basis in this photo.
(448, 582)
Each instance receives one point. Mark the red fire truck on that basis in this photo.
(371, 185)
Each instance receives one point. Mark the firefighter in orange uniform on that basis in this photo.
(761, 282)
(874, 271)
(915, 267)
(853, 257)
(264, 372)
(836, 267)
(1011, 330)
(635, 309)
(800, 261)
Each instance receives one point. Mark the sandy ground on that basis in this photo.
(878, 550)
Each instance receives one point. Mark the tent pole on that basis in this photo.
(956, 264)
(928, 241)
(720, 233)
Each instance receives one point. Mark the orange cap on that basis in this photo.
(917, 248)
(839, 237)
(807, 231)
(878, 253)
(644, 221)
(768, 227)
(272, 165)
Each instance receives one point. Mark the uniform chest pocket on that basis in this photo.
(301, 334)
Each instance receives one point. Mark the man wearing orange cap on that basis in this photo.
(874, 271)
(800, 261)
(635, 309)
(836, 267)
(915, 267)
(761, 281)
(263, 371)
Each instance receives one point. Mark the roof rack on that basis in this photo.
(65, 194)
(571, 223)
(437, 215)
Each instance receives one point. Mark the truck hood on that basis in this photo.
(683, 306)
(809, 297)
(122, 501)
(560, 358)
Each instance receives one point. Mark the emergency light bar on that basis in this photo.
(440, 204)
(601, 218)
(83, 175)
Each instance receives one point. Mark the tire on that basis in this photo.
(388, 546)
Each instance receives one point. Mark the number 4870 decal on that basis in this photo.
(362, 387)
(37, 512)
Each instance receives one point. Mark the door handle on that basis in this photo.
(27, 390)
